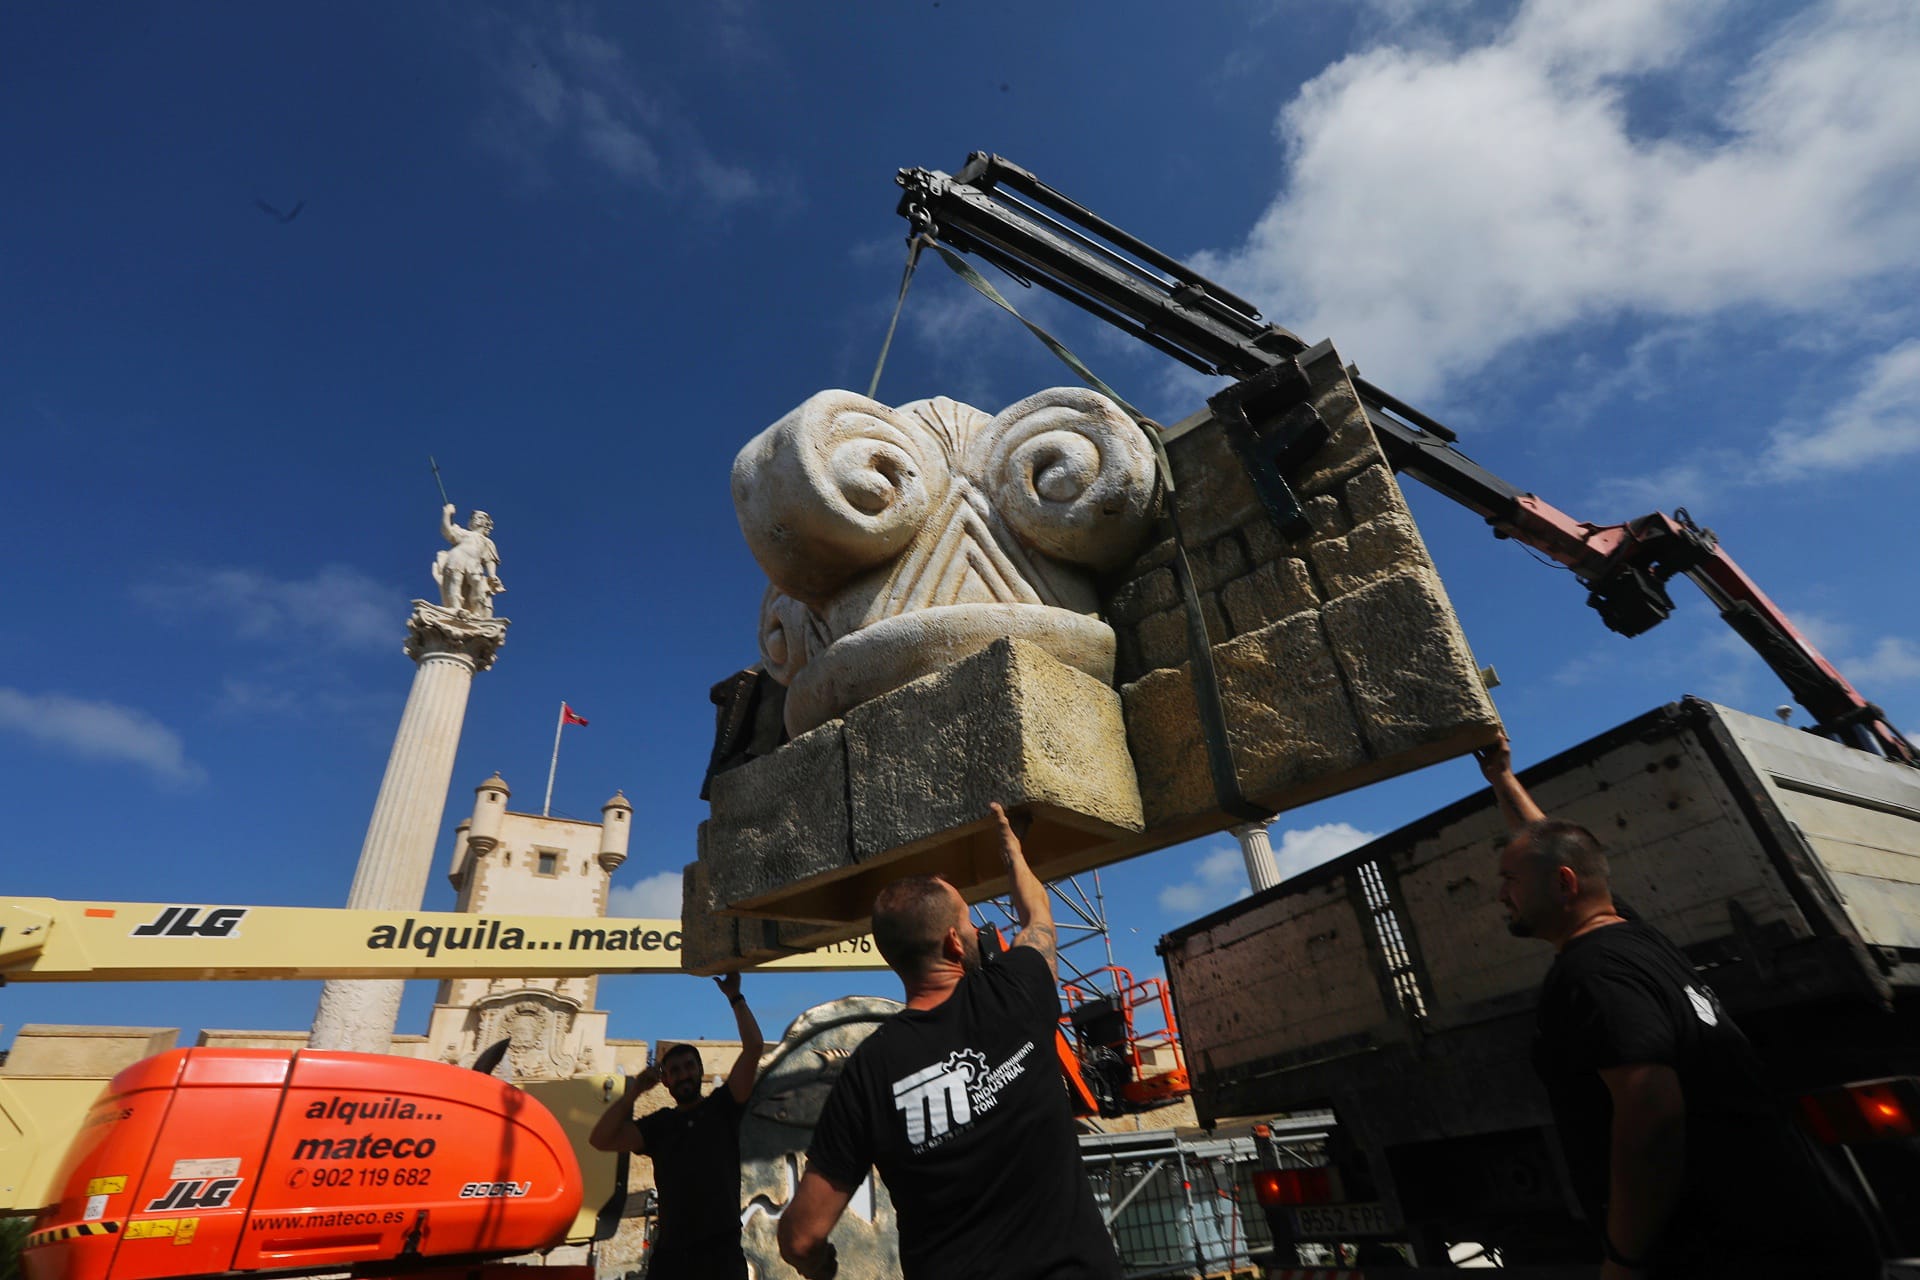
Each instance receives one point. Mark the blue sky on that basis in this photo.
(1651, 253)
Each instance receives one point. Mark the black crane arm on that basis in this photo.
(996, 210)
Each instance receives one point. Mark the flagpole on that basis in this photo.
(559, 723)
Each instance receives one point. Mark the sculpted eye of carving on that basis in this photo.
(1071, 474)
(787, 639)
(873, 474)
(1062, 466)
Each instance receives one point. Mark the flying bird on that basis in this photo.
(278, 216)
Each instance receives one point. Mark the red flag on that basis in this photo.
(569, 716)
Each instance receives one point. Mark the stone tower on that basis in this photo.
(526, 864)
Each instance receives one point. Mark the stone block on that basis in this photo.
(709, 941)
(919, 765)
(1377, 549)
(780, 818)
(1373, 492)
(1222, 560)
(1163, 640)
(1288, 715)
(1274, 591)
(1147, 594)
(1211, 490)
(1010, 724)
(1414, 681)
(1328, 518)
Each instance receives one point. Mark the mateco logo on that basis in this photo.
(936, 1100)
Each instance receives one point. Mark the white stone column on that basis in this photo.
(397, 856)
(1262, 871)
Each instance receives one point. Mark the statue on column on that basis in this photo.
(469, 572)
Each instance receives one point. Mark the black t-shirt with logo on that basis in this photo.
(961, 1109)
(696, 1169)
(1754, 1194)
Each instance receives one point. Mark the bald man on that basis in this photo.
(958, 1101)
(1679, 1153)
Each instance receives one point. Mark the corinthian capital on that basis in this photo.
(433, 629)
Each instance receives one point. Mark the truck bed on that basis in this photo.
(1785, 865)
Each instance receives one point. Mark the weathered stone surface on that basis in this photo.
(1374, 492)
(708, 940)
(1009, 724)
(1328, 517)
(780, 818)
(1382, 546)
(1211, 490)
(1222, 560)
(1413, 678)
(1289, 720)
(1163, 640)
(1147, 594)
(795, 1079)
(1352, 448)
(1276, 590)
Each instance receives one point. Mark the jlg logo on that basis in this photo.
(197, 1193)
(181, 922)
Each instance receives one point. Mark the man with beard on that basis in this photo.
(695, 1149)
(1679, 1154)
(958, 1101)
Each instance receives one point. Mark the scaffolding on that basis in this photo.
(1186, 1206)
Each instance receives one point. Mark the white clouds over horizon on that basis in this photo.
(1447, 201)
(98, 730)
(655, 898)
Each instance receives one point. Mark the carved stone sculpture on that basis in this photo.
(795, 1079)
(469, 571)
(900, 540)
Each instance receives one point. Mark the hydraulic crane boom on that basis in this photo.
(998, 211)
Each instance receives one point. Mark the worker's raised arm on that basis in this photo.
(616, 1129)
(1031, 906)
(747, 1066)
(808, 1221)
(1516, 806)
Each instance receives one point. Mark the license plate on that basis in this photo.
(1338, 1221)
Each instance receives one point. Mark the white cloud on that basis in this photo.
(1448, 201)
(1300, 849)
(1878, 422)
(1894, 660)
(95, 730)
(336, 605)
(568, 86)
(1220, 876)
(655, 898)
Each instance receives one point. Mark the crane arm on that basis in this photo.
(52, 940)
(996, 210)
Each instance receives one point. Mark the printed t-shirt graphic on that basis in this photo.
(962, 1111)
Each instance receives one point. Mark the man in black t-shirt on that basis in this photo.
(695, 1149)
(1678, 1151)
(958, 1101)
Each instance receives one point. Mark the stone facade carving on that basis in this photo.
(433, 630)
(900, 540)
(538, 1028)
(469, 571)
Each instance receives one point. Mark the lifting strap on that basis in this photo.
(1205, 679)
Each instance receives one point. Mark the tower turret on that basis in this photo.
(616, 825)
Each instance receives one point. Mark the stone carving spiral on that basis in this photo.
(899, 540)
